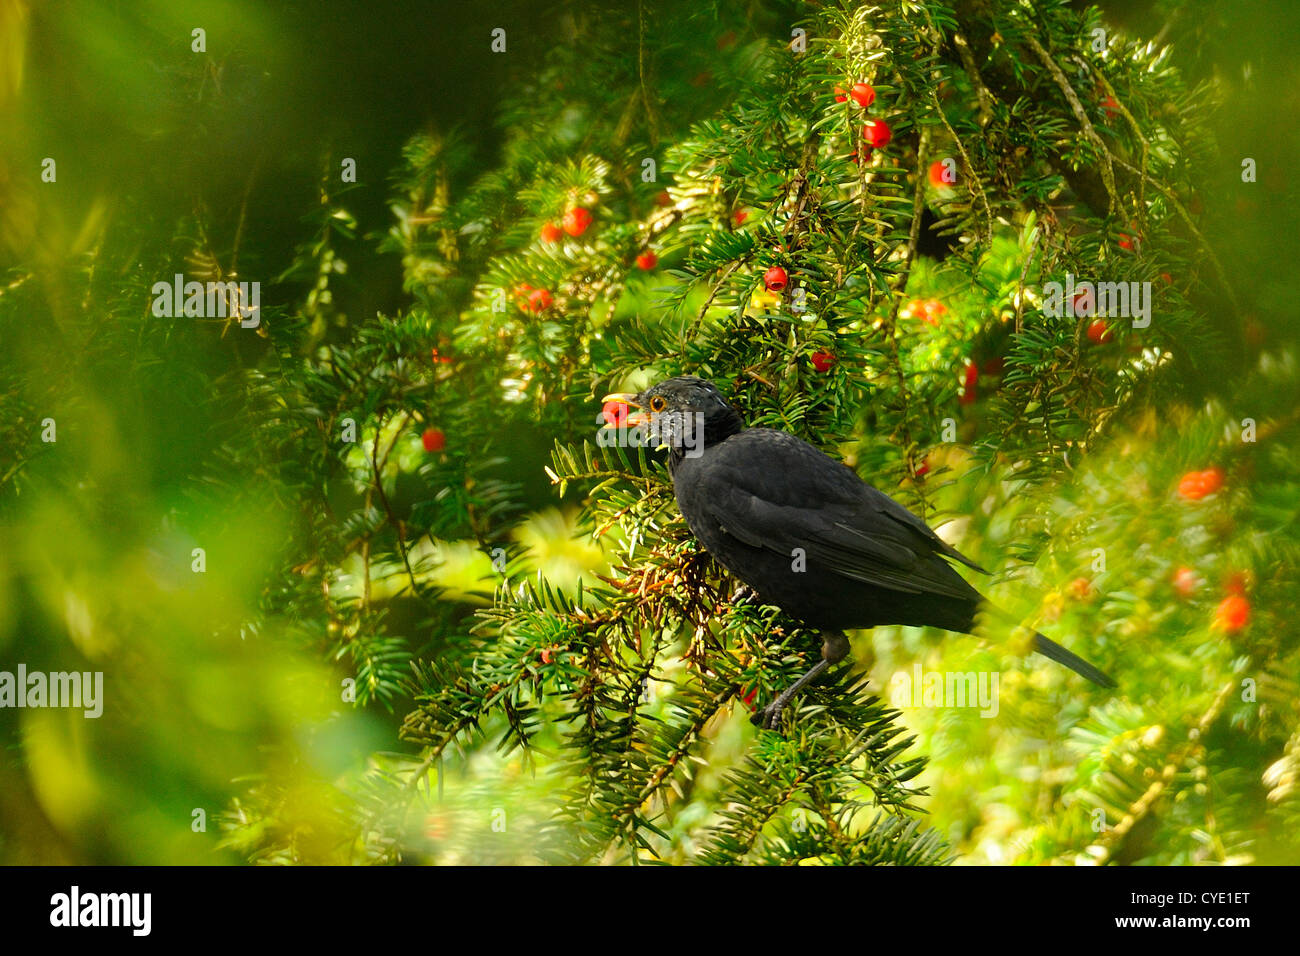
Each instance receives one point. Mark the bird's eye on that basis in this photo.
(658, 403)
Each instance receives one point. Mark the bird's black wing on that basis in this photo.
(772, 490)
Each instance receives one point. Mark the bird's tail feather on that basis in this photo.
(1053, 650)
(1050, 649)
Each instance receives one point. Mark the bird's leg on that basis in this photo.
(744, 594)
(835, 647)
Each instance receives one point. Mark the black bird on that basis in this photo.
(805, 532)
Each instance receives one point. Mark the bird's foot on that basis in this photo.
(769, 718)
(744, 594)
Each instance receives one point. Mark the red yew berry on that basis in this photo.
(823, 360)
(1081, 589)
(576, 221)
(647, 261)
(932, 310)
(547, 654)
(864, 94)
(1083, 303)
(877, 133)
(663, 198)
(1191, 487)
(539, 300)
(1099, 331)
(1232, 614)
(551, 232)
(775, 279)
(615, 414)
(939, 174)
(923, 468)
(739, 216)
(1110, 106)
(440, 359)
(841, 95)
(1195, 485)
(1186, 581)
(1127, 240)
(433, 440)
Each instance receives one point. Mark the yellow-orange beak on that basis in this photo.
(628, 399)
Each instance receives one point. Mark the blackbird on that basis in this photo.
(804, 532)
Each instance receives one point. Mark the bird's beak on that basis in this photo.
(628, 399)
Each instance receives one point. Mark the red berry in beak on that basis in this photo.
(615, 413)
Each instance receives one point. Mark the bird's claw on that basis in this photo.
(769, 718)
(744, 594)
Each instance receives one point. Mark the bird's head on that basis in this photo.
(683, 413)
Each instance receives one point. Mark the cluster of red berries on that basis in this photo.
(575, 223)
(875, 132)
(1232, 613)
